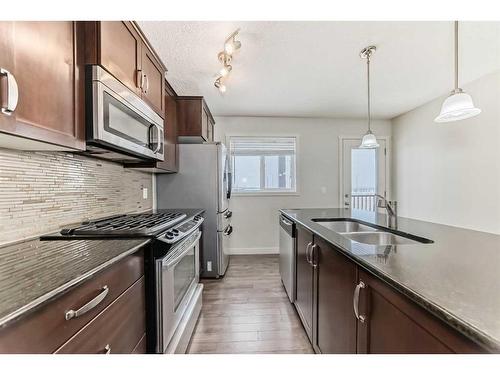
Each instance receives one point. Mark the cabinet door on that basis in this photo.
(304, 300)
(394, 324)
(120, 52)
(204, 125)
(153, 87)
(171, 148)
(45, 61)
(335, 326)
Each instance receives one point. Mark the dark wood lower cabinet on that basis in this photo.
(117, 329)
(388, 322)
(117, 320)
(304, 301)
(394, 324)
(335, 326)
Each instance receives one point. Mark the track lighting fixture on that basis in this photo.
(218, 83)
(231, 44)
(225, 57)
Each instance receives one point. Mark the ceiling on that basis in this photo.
(312, 69)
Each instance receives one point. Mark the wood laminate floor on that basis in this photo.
(248, 312)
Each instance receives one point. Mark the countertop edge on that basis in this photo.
(455, 322)
(59, 290)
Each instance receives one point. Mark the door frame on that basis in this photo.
(388, 163)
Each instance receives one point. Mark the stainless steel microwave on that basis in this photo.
(120, 126)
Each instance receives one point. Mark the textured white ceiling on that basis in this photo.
(312, 69)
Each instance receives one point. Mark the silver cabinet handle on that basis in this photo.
(89, 305)
(355, 301)
(313, 263)
(107, 349)
(140, 79)
(12, 93)
(307, 252)
(285, 221)
(146, 78)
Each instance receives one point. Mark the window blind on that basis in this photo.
(262, 145)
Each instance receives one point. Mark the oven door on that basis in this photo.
(122, 121)
(176, 279)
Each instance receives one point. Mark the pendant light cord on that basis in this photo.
(456, 56)
(368, 75)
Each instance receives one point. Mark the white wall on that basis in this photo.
(450, 173)
(255, 219)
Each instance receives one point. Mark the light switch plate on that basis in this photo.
(144, 193)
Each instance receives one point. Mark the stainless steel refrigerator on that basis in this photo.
(203, 181)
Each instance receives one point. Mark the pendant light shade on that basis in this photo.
(369, 140)
(459, 105)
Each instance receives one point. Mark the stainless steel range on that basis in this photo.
(172, 263)
(121, 226)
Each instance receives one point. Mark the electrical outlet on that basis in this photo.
(144, 193)
(209, 266)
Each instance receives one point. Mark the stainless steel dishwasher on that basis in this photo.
(288, 256)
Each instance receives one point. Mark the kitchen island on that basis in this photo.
(452, 274)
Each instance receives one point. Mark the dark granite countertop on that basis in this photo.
(32, 272)
(457, 277)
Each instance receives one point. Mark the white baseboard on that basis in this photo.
(253, 250)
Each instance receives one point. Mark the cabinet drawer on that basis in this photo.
(47, 328)
(118, 329)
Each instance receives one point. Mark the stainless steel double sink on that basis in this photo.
(370, 235)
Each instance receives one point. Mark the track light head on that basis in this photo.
(218, 83)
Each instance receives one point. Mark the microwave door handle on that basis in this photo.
(172, 262)
(158, 130)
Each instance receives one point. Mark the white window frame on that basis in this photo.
(265, 192)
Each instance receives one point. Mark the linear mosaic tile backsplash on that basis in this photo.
(42, 191)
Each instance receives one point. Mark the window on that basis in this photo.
(263, 164)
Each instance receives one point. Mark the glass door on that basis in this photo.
(363, 174)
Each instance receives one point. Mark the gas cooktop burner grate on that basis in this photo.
(134, 224)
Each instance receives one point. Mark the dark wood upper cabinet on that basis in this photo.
(394, 324)
(122, 49)
(154, 81)
(304, 300)
(118, 48)
(46, 61)
(171, 162)
(195, 122)
(335, 328)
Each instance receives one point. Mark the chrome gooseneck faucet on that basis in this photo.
(391, 208)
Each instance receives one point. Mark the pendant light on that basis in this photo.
(459, 105)
(369, 140)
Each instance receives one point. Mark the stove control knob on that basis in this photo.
(175, 231)
(169, 235)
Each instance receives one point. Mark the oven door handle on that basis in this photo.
(176, 259)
